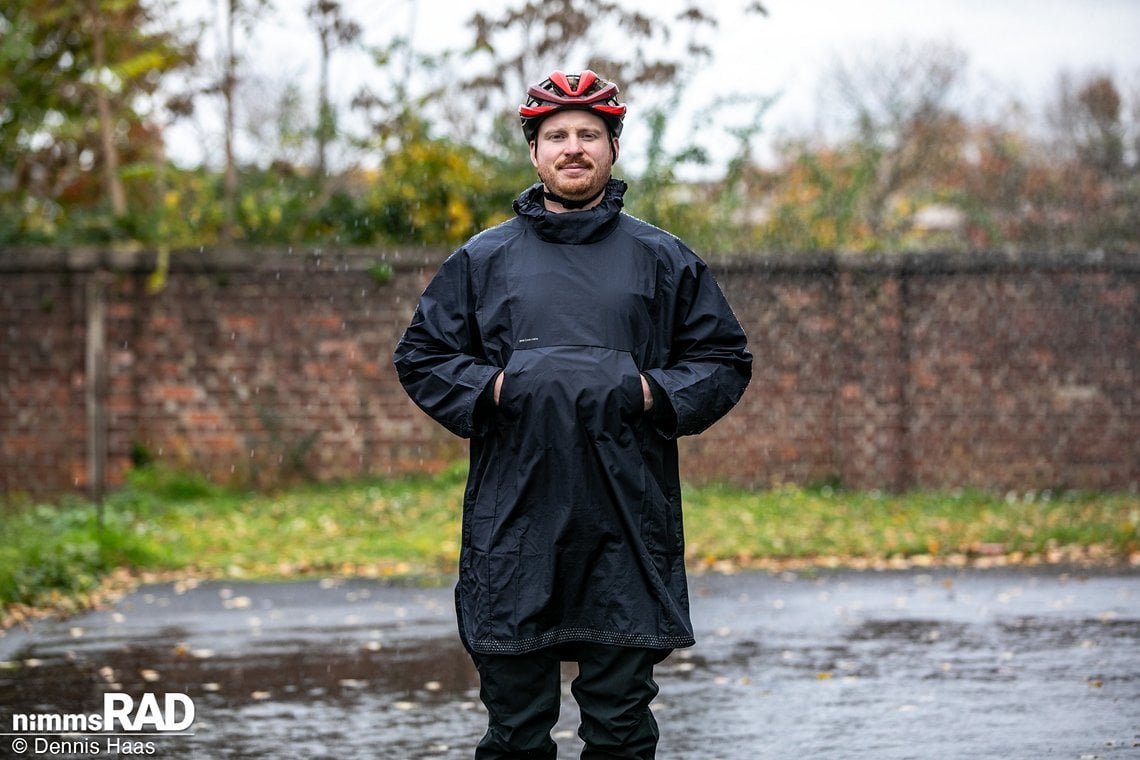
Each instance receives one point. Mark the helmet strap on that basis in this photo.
(567, 203)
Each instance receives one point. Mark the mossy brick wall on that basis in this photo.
(934, 371)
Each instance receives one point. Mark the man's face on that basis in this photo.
(573, 154)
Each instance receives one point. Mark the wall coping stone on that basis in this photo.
(262, 258)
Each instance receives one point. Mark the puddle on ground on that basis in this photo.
(808, 682)
(429, 671)
(315, 699)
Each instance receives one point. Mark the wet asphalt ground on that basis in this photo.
(963, 663)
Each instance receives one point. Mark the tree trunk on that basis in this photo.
(113, 184)
(229, 84)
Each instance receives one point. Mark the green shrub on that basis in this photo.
(64, 550)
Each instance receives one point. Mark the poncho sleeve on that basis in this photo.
(440, 358)
(709, 363)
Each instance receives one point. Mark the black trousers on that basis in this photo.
(613, 690)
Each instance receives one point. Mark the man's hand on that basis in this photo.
(498, 387)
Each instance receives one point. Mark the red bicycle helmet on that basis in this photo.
(563, 92)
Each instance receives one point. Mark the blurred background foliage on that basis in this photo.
(90, 88)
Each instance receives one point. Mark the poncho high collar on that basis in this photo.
(572, 227)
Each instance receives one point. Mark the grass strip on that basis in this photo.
(59, 556)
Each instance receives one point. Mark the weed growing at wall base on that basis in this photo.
(56, 555)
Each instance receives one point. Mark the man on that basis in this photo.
(572, 344)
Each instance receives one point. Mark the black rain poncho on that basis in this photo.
(572, 510)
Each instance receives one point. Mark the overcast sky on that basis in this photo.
(1014, 48)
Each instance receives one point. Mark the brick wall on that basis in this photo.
(936, 371)
(42, 381)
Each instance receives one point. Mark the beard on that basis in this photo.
(586, 185)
